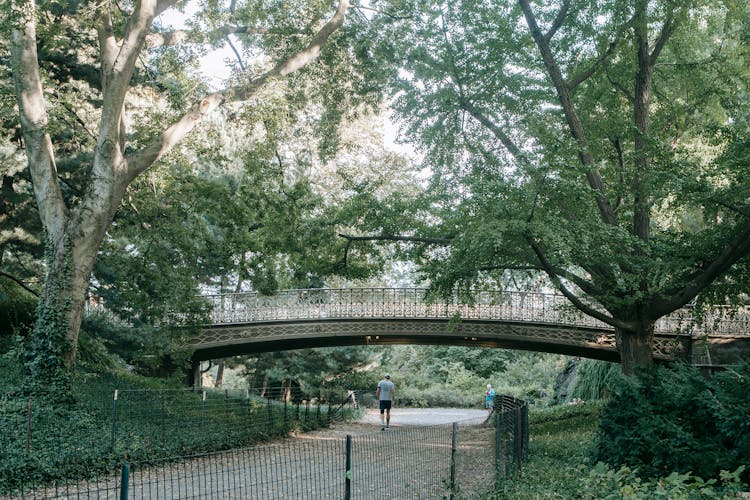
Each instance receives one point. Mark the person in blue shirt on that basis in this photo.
(489, 397)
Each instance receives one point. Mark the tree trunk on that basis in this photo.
(75, 234)
(220, 373)
(635, 348)
(51, 348)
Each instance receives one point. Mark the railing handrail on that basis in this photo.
(412, 303)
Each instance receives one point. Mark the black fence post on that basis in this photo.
(525, 427)
(348, 473)
(124, 481)
(317, 414)
(28, 427)
(517, 440)
(114, 419)
(453, 460)
(498, 455)
(505, 453)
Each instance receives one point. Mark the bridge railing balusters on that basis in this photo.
(412, 303)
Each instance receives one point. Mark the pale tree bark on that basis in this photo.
(220, 373)
(75, 233)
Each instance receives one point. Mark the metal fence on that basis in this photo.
(439, 461)
(151, 419)
(40, 442)
(511, 419)
(216, 416)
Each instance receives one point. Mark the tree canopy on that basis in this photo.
(599, 147)
(104, 97)
(601, 144)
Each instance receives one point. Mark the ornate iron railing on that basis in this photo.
(412, 303)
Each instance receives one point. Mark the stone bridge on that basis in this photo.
(243, 323)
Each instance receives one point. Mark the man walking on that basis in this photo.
(385, 393)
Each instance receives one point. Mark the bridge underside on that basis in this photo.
(232, 340)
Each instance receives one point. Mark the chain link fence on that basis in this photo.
(41, 443)
(438, 461)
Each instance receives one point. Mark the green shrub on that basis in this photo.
(559, 467)
(594, 379)
(17, 312)
(676, 420)
(74, 440)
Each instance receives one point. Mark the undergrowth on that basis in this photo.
(560, 466)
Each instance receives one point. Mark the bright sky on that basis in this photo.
(213, 65)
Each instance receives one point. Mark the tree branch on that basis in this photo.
(590, 311)
(666, 32)
(144, 158)
(34, 120)
(559, 20)
(412, 239)
(19, 283)
(467, 106)
(575, 125)
(738, 248)
(617, 143)
(584, 75)
(379, 11)
(179, 37)
(498, 132)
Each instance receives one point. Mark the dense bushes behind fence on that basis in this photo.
(40, 442)
(155, 444)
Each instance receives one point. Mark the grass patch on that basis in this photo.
(560, 443)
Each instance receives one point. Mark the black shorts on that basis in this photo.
(385, 404)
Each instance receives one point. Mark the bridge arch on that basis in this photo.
(247, 323)
(236, 339)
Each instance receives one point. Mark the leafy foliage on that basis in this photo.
(74, 440)
(558, 466)
(676, 420)
(563, 159)
(42, 348)
(17, 309)
(594, 379)
(311, 370)
(457, 376)
(605, 482)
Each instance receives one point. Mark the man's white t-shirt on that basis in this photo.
(385, 386)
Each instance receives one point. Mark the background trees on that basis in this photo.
(600, 144)
(595, 146)
(93, 105)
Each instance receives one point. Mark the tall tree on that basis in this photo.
(600, 143)
(75, 227)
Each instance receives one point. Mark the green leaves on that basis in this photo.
(675, 421)
(515, 162)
